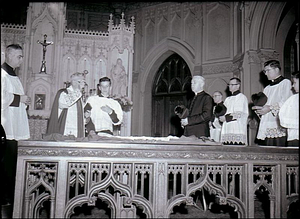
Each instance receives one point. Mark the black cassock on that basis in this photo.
(200, 113)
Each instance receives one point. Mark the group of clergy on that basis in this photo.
(277, 108)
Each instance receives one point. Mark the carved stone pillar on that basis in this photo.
(43, 19)
(120, 61)
(267, 54)
(252, 70)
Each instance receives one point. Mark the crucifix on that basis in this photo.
(44, 44)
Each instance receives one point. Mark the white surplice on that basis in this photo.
(101, 119)
(236, 131)
(13, 119)
(215, 132)
(289, 117)
(277, 94)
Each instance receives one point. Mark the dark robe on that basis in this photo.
(200, 113)
(57, 124)
(89, 126)
(219, 110)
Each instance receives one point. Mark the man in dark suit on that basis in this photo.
(200, 110)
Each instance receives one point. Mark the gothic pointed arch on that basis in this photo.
(215, 190)
(45, 14)
(169, 90)
(273, 33)
(154, 59)
(270, 23)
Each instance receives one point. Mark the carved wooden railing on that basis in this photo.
(152, 178)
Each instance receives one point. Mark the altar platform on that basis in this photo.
(144, 177)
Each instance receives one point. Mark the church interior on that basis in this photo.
(162, 45)
(215, 40)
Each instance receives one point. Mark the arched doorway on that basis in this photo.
(171, 87)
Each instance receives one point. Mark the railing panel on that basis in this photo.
(150, 178)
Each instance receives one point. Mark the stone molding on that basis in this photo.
(13, 27)
(219, 68)
(109, 153)
(266, 54)
(85, 32)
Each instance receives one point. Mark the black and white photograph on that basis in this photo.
(163, 109)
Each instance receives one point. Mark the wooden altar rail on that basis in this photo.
(151, 177)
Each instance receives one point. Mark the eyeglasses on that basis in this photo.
(267, 70)
(231, 84)
(81, 82)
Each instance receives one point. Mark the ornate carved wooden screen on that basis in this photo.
(143, 177)
(171, 88)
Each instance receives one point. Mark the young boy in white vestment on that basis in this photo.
(105, 111)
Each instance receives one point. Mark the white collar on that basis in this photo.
(198, 92)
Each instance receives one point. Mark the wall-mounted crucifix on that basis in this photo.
(44, 44)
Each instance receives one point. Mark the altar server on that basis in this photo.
(105, 111)
(234, 128)
(278, 91)
(13, 119)
(289, 114)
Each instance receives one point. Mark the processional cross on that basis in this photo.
(44, 44)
